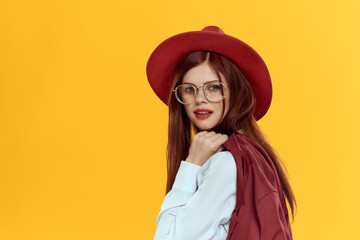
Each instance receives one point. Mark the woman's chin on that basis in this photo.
(203, 127)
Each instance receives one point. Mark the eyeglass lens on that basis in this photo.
(186, 93)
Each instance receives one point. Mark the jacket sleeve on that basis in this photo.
(191, 213)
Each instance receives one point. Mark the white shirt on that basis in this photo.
(201, 201)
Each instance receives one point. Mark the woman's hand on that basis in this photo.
(204, 145)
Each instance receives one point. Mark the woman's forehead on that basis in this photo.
(201, 74)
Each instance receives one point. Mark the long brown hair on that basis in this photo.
(238, 118)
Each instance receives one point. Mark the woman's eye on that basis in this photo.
(189, 90)
(214, 87)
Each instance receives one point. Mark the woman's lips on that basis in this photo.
(203, 116)
(203, 113)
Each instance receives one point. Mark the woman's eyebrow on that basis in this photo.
(204, 82)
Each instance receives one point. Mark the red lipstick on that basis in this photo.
(203, 113)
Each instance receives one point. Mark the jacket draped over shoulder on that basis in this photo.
(260, 211)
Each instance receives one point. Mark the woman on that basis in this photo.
(216, 86)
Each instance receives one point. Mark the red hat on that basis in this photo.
(211, 38)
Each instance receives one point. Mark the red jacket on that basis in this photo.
(260, 211)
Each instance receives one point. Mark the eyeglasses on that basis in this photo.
(186, 93)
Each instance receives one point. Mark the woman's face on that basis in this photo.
(203, 113)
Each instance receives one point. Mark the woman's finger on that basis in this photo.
(221, 148)
(210, 134)
(217, 136)
(199, 134)
(221, 139)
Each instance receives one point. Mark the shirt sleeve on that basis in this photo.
(191, 213)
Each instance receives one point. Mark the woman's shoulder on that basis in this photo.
(243, 145)
(223, 162)
(223, 154)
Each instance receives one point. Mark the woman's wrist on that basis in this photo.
(190, 160)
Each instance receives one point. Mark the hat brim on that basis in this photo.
(166, 55)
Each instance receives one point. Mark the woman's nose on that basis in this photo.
(200, 96)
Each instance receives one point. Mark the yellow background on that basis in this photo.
(83, 137)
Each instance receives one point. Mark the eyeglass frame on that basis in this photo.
(196, 91)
